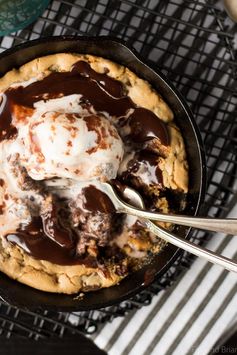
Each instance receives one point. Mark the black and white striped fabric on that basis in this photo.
(188, 318)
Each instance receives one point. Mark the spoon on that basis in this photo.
(227, 225)
(223, 225)
(137, 201)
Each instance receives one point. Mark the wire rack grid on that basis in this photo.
(192, 43)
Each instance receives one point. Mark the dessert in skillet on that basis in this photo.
(67, 123)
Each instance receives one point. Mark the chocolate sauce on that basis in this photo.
(114, 87)
(96, 201)
(33, 241)
(55, 232)
(45, 239)
(7, 130)
(60, 84)
(144, 166)
(99, 90)
(145, 125)
(2, 207)
(2, 182)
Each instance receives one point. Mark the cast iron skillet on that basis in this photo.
(29, 298)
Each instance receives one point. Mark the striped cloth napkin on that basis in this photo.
(187, 318)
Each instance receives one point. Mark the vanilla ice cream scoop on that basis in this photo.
(66, 145)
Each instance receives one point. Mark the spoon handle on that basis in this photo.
(192, 248)
(227, 225)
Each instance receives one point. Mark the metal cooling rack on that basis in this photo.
(191, 41)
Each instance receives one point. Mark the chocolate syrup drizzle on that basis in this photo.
(43, 238)
(96, 201)
(148, 161)
(105, 94)
(33, 240)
